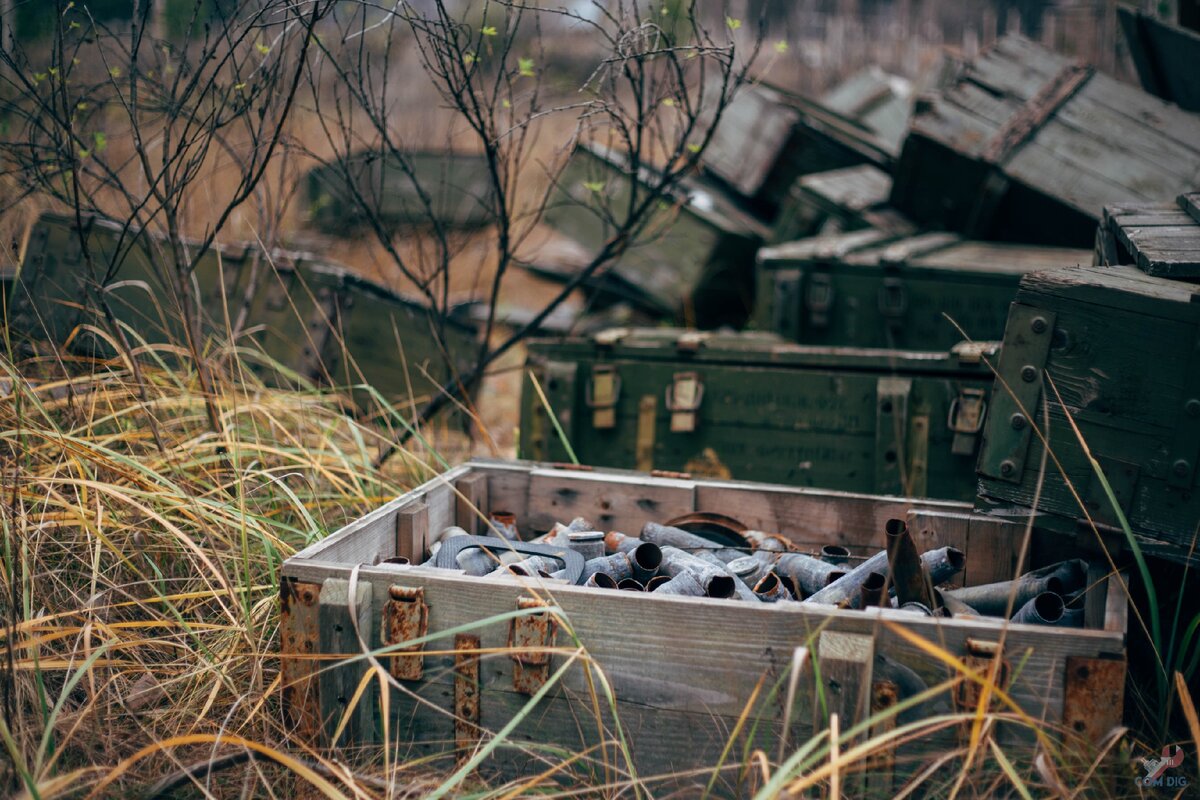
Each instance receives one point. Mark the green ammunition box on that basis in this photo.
(751, 406)
(1106, 357)
(869, 288)
(839, 200)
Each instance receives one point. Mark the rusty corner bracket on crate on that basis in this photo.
(531, 637)
(979, 658)
(299, 644)
(466, 694)
(406, 617)
(1093, 696)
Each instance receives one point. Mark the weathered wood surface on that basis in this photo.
(878, 101)
(1165, 56)
(1133, 396)
(299, 311)
(874, 290)
(693, 259)
(838, 200)
(677, 701)
(768, 410)
(1158, 238)
(1098, 143)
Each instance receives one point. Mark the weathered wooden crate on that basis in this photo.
(1118, 351)
(1164, 55)
(1158, 238)
(1029, 147)
(301, 312)
(421, 189)
(768, 137)
(688, 676)
(869, 288)
(694, 259)
(876, 100)
(755, 407)
(840, 200)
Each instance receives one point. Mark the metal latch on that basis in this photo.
(893, 298)
(965, 420)
(466, 693)
(785, 307)
(818, 299)
(406, 617)
(979, 659)
(684, 396)
(603, 391)
(531, 637)
(691, 341)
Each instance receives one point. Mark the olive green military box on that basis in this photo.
(871, 288)
(1158, 238)
(837, 201)
(289, 312)
(1105, 363)
(753, 407)
(419, 189)
(692, 260)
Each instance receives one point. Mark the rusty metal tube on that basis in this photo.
(663, 535)
(766, 547)
(617, 542)
(905, 567)
(872, 590)
(600, 580)
(645, 559)
(716, 582)
(532, 564)
(956, 607)
(943, 564)
(657, 581)
(589, 544)
(504, 523)
(835, 554)
(743, 591)
(686, 583)
(847, 590)
(617, 566)
(810, 574)
(992, 599)
(771, 590)
(749, 569)
(631, 585)
(1045, 609)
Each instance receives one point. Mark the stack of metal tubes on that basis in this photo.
(667, 560)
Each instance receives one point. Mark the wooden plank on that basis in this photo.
(412, 532)
(612, 503)
(471, 504)
(339, 681)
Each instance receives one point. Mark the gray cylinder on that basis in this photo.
(589, 544)
(600, 581)
(663, 535)
(771, 590)
(616, 566)
(847, 590)
(810, 574)
(1045, 609)
(685, 583)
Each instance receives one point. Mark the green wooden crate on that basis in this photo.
(1029, 147)
(1165, 56)
(694, 260)
(1158, 238)
(453, 189)
(1118, 351)
(296, 309)
(752, 406)
(847, 199)
(869, 288)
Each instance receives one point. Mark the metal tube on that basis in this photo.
(663, 535)
(904, 564)
(589, 544)
(766, 547)
(740, 588)
(992, 599)
(943, 564)
(716, 582)
(539, 564)
(810, 574)
(1045, 609)
(631, 585)
(847, 589)
(770, 589)
(646, 558)
(616, 542)
(600, 581)
(685, 583)
(657, 581)
(835, 554)
(749, 569)
(617, 566)
(872, 590)
(956, 607)
(505, 524)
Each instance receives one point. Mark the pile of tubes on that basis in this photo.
(667, 560)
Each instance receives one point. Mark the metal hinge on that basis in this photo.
(965, 420)
(979, 658)
(406, 617)
(603, 391)
(531, 638)
(818, 299)
(684, 396)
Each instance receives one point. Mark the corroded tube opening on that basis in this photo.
(601, 581)
(835, 554)
(720, 586)
(631, 585)
(872, 589)
(656, 582)
(1049, 606)
(896, 527)
(647, 557)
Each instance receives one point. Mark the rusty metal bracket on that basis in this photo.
(965, 420)
(406, 617)
(647, 422)
(300, 644)
(1027, 338)
(1093, 696)
(466, 693)
(979, 657)
(603, 392)
(684, 396)
(818, 299)
(531, 638)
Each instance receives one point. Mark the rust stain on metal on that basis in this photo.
(884, 696)
(666, 473)
(979, 658)
(466, 693)
(298, 637)
(530, 637)
(1093, 696)
(406, 617)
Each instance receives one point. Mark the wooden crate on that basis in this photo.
(888, 421)
(693, 260)
(683, 671)
(1158, 238)
(1165, 57)
(300, 311)
(840, 200)
(452, 190)
(870, 288)
(1029, 147)
(1122, 350)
